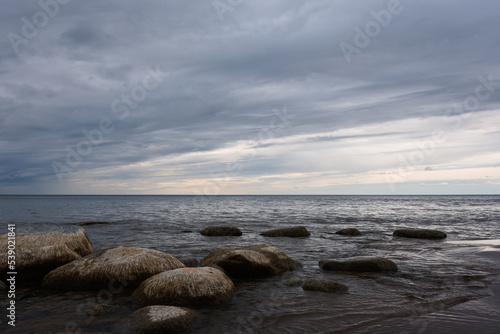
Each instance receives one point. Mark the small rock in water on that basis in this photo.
(3, 286)
(189, 261)
(162, 319)
(290, 232)
(420, 234)
(251, 262)
(313, 284)
(221, 231)
(186, 286)
(349, 231)
(359, 264)
(98, 310)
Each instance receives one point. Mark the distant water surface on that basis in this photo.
(433, 275)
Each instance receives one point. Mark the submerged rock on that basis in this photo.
(78, 332)
(249, 262)
(162, 319)
(420, 234)
(313, 284)
(128, 266)
(186, 286)
(294, 281)
(359, 264)
(220, 231)
(92, 223)
(290, 232)
(349, 231)
(3, 286)
(98, 310)
(189, 261)
(39, 253)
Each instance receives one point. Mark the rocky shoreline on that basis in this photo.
(167, 287)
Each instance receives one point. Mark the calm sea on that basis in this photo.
(433, 275)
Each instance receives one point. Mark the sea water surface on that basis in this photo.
(433, 276)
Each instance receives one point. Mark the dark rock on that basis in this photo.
(185, 287)
(3, 286)
(313, 284)
(162, 319)
(39, 253)
(349, 231)
(189, 261)
(91, 223)
(250, 262)
(420, 234)
(128, 266)
(291, 232)
(359, 264)
(220, 231)
(98, 310)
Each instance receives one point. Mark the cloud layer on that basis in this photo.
(165, 97)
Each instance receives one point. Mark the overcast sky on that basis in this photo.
(249, 97)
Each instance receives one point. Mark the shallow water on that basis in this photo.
(433, 275)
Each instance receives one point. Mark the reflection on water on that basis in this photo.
(433, 275)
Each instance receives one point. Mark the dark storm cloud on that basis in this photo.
(222, 79)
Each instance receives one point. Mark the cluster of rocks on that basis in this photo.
(170, 288)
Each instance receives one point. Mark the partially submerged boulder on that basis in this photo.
(128, 266)
(186, 286)
(349, 231)
(290, 232)
(162, 319)
(251, 262)
(3, 286)
(220, 231)
(420, 234)
(39, 253)
(359, 264)
(313, 284)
